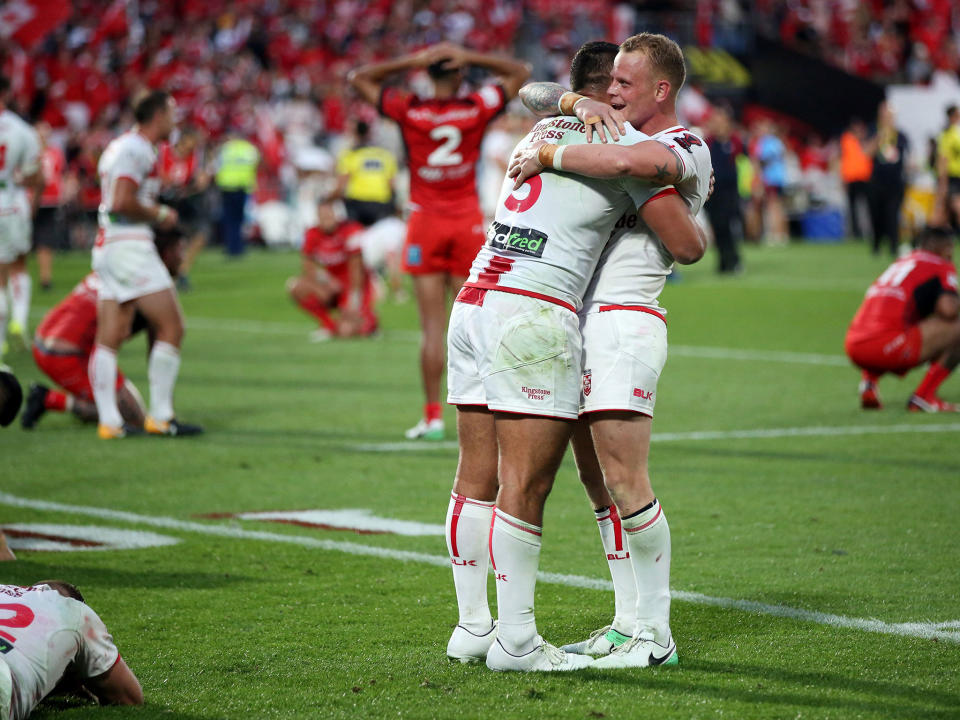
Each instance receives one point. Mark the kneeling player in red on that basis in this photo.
(334, 276)
(911, 315)
(66, 338)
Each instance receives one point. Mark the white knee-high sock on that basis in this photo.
(3, 317)
(162, 371)
(20, 285)
(103, 378)
(648, 536)
(468, 541)
(615, 546)
(515, 556)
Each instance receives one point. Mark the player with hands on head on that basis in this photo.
(442, 135)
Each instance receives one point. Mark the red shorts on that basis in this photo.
(894, 351)
(70, 372)
(442, 243)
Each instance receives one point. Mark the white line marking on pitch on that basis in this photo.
(946, 630)
(754, 434)
(267, 327)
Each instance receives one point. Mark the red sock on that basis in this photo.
(433, 411)
(316, 308)
(934, 378)
(55, 400)
(870, 377)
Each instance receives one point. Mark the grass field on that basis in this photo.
(814, 545)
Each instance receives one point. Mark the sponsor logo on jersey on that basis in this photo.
(535, 393)
(525, 241)
(618, 556)
(587, 382)
(643, 394)
(687, 141)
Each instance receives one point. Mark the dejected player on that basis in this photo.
(333, 276)
(52, 639)
(64, 342)
(909, 317)
(445, 228)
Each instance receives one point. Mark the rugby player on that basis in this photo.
(64, 341)
(515, 373)
(132, 276)
(445, 228)
(52, 638)
(21, 182)
(334, 276)
(909, 317)
(625, 348)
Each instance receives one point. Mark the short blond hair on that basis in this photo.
(664, 54)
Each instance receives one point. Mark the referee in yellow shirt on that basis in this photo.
(366, 178)
(948, 167)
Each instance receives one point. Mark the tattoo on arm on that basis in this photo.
(664, 174)
(541, 98)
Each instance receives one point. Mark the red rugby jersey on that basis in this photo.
(443, 144)
(905, 293)
(74, 319)
(52, 163)
(331, 250)
(174, 170)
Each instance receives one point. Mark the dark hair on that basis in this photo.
(440, 71)
(11, 396)
(363, 129)
(4, 84)
(64, 588)
(147, 106)
(951, 110)
(932, 236)
(591, 66)
(163, 239)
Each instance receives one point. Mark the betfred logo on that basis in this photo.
(643, 394)
(587, 382)
(535, 393)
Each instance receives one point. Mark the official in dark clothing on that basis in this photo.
(888, 182)
(723, 207)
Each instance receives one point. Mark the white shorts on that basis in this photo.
(513, 353)
(129, 269)
(15, 230)
(624, 352)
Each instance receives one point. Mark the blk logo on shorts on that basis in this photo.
(643, 394)
(587, 382)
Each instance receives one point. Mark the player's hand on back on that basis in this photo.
(600, 118)
(525, 164)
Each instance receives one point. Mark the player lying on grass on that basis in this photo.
(910, 317)
(64, 342)
(52, 640)
(333, 276)
(515, 375)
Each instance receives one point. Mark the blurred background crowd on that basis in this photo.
(823, 116)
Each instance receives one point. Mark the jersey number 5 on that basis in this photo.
(447, 153)
(22, 616)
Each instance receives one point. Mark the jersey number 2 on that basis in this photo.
(22, 616)
(447, 153)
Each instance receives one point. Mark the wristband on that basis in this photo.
(546, 153)
(568, 102)
(556, 157)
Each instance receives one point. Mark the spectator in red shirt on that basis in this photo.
(49, 229)
(333, 276)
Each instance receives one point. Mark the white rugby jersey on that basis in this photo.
(547, 236)
(41, 632)
(634, 265)
(19, 157)
(129, 156)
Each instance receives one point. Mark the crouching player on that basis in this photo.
(334, 277)
(909, 317)
(53, 640)
(65, 340)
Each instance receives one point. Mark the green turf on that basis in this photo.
(862, 526)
